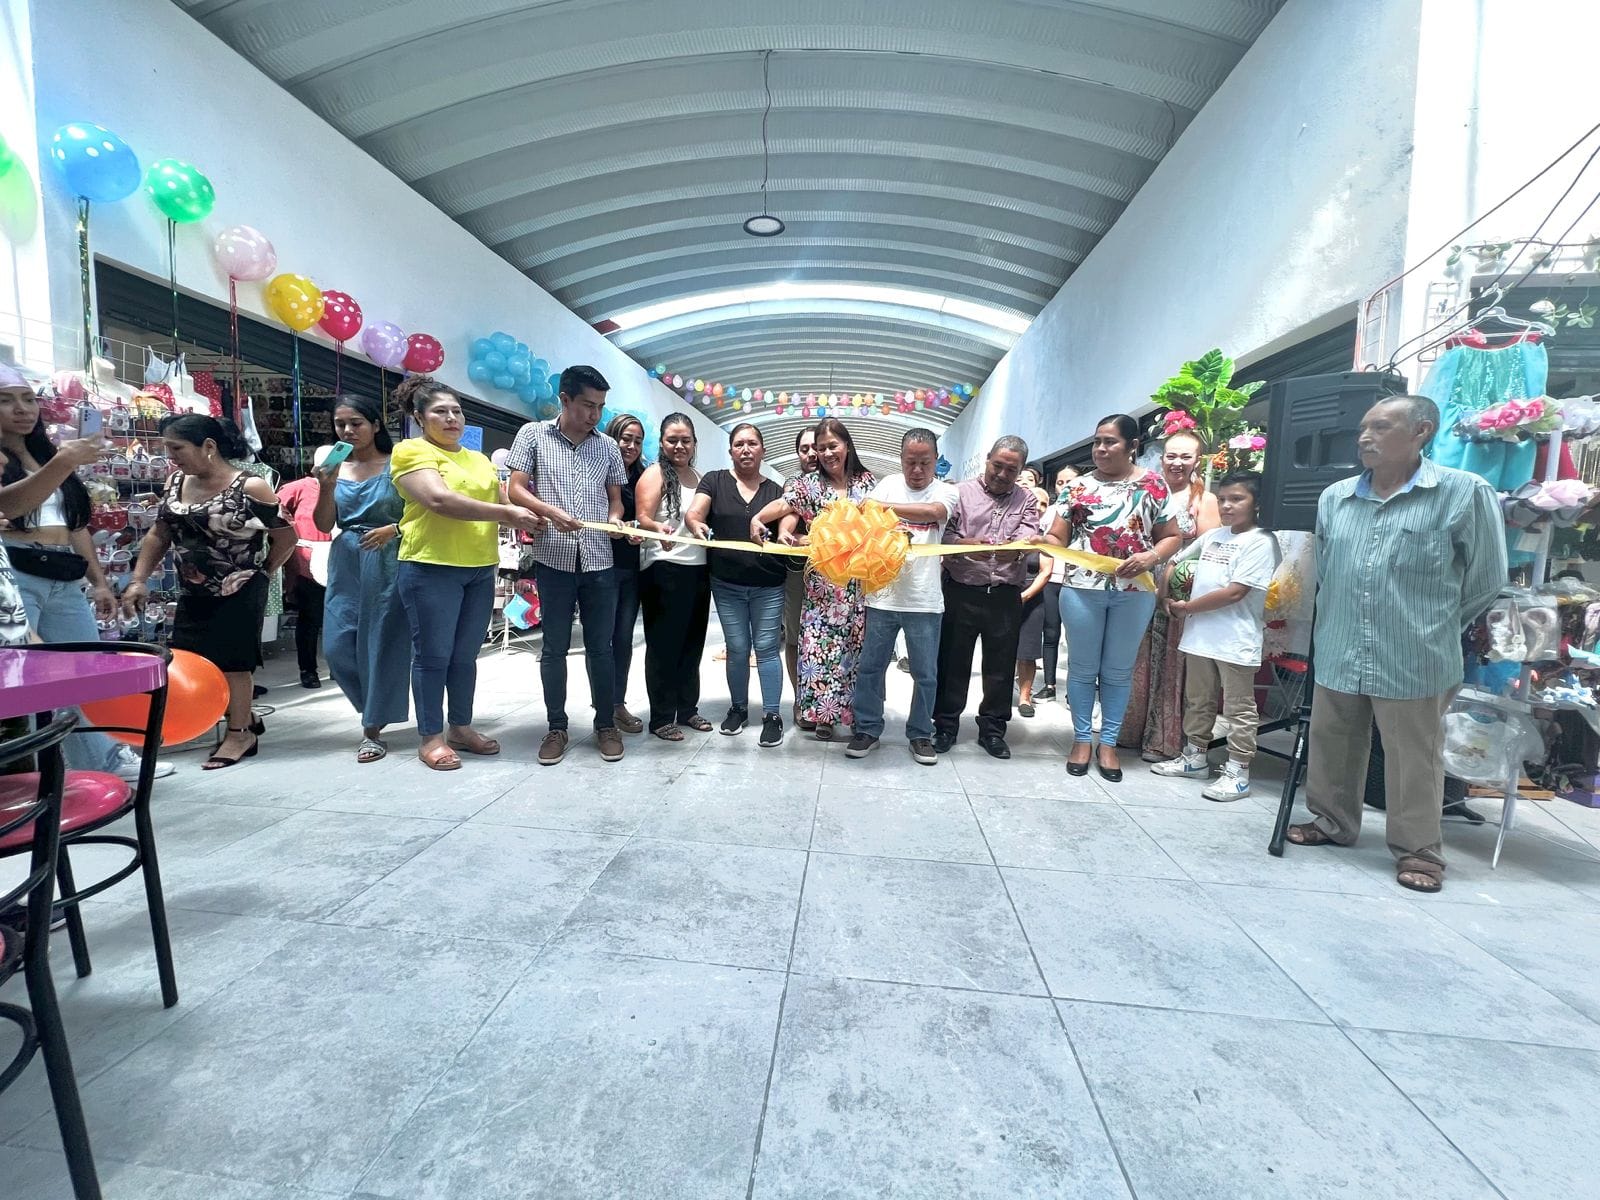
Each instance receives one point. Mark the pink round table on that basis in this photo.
(37, 679)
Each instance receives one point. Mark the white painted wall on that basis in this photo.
(25, 330)
(171, 89)
(1497, 99)
(1282, 204)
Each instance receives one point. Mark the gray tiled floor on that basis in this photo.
(711, 971)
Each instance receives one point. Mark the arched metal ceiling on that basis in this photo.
(976, 149)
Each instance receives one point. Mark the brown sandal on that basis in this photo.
(669, 733)
(483, 745)
(1310, 834)
(1424, 876)
(440, 758)
(698, 723)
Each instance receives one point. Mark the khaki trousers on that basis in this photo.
(1203, 679)
(1413, 768)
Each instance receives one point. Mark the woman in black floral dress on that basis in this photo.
(229, 537)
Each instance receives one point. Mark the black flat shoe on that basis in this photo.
(1077, 770)
(1109, 774)
(995, 746)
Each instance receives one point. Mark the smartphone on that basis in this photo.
(91, 421)
(340, 452)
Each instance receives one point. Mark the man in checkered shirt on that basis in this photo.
(568, 472)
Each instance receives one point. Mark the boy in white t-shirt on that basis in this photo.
(1225, 619)
(913, 603)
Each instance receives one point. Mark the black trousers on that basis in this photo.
(993, 614)
(1052, 633)
(676, 602)
(309, 596)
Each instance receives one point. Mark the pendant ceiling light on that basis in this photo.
(765, 225)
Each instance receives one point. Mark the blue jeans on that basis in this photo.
(877, 652)
(448, 609)
(752, 618)
(1104, 629)
(593, 594)
(58, 611)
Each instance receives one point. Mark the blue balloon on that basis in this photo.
(522, 349)
(481, 347)
(518, 365)
(505, 383)
(527, 394)
(96, 164)
(496, 362)
(539, 364)
(536, 376)
(503, 342)
(548, 391)
(479, 372)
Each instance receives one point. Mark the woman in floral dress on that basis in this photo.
(833, 620)
(1117, 510)
(1154, 721)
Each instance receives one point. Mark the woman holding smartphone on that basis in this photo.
(365, 637)
(44, 525)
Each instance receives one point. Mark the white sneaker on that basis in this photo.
(1232, 784)
(126, 766)
(1188, 765)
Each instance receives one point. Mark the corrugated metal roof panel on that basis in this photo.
(976, 149)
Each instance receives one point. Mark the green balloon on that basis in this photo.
(7, 159)
(179, 190)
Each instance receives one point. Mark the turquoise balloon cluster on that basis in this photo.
(651, 449)
(502, 362)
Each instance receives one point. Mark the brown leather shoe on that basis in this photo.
(553, 748)
(625, 720)
(610, 743)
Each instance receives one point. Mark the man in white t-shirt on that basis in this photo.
(1225, 619)
(912, 604)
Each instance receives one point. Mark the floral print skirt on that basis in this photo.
(833, 622)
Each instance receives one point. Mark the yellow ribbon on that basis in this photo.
(865, 542)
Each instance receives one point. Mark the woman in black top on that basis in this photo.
(628, 433)
(747, 587)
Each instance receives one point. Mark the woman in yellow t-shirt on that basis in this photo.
(448, 553)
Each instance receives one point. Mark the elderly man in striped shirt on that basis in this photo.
(1408, 554)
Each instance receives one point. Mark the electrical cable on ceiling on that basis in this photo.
(765, 225)
(1396, 358)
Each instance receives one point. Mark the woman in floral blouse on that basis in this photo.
(1118, 510)
(833, 620)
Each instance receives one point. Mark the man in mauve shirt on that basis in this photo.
(983, 596)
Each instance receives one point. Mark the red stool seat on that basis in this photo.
(88, 797)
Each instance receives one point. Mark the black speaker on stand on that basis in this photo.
(1312, 423)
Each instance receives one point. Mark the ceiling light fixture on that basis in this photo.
(766, 225)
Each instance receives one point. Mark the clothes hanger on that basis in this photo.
(1497, 313)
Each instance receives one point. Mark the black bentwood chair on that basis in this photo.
(25, 914)
(95, 800)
